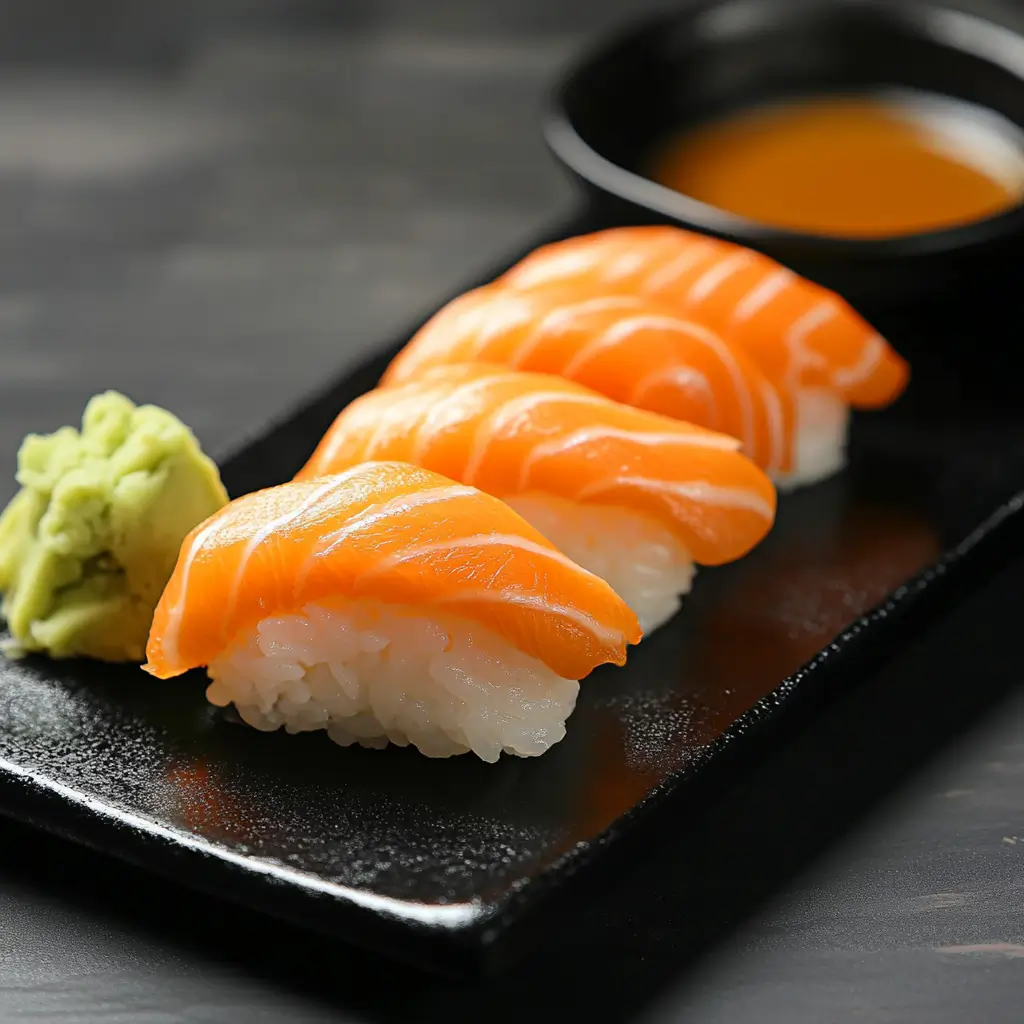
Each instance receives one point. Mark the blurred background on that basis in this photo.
(185, 187)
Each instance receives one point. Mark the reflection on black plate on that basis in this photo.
(441, 860)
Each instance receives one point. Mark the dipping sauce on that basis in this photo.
(856, 167)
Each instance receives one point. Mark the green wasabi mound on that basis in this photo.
(89, 542)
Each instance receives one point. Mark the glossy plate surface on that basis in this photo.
(454, 864)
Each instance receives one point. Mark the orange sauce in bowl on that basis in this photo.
(856, 167)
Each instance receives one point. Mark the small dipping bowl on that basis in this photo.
(710, 60)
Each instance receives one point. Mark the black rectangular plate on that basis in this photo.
(453, 864)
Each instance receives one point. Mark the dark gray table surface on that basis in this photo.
(214, 205)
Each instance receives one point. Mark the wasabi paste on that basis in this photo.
(89, 542)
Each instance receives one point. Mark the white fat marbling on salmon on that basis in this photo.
(701, 491)
(489, 429)
(274, 526)
(476, 540)
(682, 377)
(367, 413)
(448, 406)
(614, 335)
(623, 265)
(728, 358)
(566, 318)
(468, 320)
(496, 320)
(762, 293)
(557, 265)
(400, 506)
(776, 425)
(691, 330)
(871, 356)
(540, 604)
(172, 630)
(796, 337)
(717, 275)
(601, 304)
(588, 435)
(386, 416)
(669, 274)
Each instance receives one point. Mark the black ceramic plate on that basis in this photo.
(449, 862)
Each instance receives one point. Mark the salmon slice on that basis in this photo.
(393, 533)
(801, 335)
(512, 433)
(627, 347)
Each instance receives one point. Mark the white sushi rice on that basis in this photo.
(642, 561)
(822, 429)
(372, 673)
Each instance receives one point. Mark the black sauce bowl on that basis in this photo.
(708, 58)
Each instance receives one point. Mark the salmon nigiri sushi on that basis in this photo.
(628, 348)
(634, 497)
(805, 338)
(388, 603)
